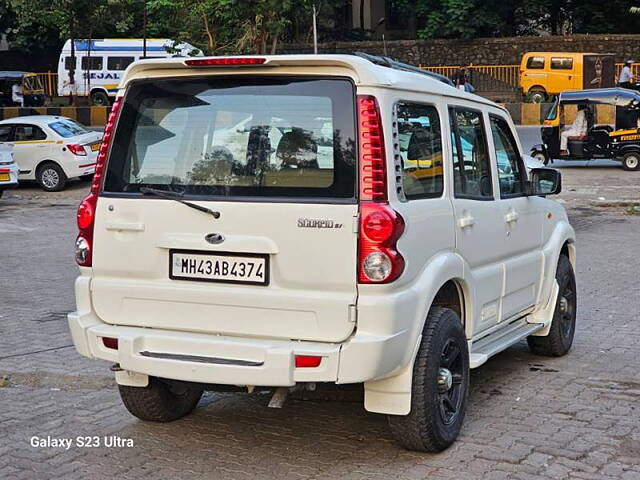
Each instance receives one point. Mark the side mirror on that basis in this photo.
(544, 181)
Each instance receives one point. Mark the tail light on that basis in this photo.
(308, 361)
(380, 225)
(87, 209)
(225, 61)
(77, 149)
(110, 342)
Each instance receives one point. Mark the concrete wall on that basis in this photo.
(90, 116)
(482, 51)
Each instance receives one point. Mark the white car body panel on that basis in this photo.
(503, 268)
(8, 166)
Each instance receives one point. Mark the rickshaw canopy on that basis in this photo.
(619, 97)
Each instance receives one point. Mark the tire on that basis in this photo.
(159, 401)
(631, 161)
(432, 426)
(537, 95)
(99, 99)
(51, 177)
(541, 157)
(563, 325)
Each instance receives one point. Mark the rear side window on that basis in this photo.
(67, 128)
(561, 63)
(471, 167)
(420, 145)
(24, 133)
(91, 63)
(119, 63)
(237, 136)
(535, 63)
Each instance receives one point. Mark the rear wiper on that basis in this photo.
(177, 196)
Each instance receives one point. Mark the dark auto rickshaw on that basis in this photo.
(619, 140)
(31, 85)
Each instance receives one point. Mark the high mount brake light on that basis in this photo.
(87, 209)
(224, 61)
(380, 225)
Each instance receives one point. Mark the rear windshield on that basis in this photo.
(237, 136)
(67, 128)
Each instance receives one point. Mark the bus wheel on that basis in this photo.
(631, 161)
(541, 157)
(99, 99)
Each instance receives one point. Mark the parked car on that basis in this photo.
(213, 258)
(51, 149)
(545, 74)
(8, 168)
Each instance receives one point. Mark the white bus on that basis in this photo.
(100, 63)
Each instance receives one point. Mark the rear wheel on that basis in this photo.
(99, 99)
(563, 325)
(160, 401)
(51, 177)
(631, 161)
(537, 95)
(439, 387)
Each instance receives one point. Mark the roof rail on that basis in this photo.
(391, 63)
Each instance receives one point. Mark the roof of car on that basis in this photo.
(366, 72)
(36, 119)
(612, 96)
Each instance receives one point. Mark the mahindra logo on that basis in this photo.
(214, 238)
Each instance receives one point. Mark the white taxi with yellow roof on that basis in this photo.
(51, 149)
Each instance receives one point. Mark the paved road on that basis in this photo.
(529, 417)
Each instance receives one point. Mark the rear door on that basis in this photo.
(30, 148)
(274, 158)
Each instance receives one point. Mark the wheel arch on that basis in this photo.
(537, 88)
(42, 163)
(442, 283)
(98, 88)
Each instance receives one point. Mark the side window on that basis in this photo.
(471, 167)
(5, 133)
(420, 144)
(91, 63)
(511, 176)
(119, 63)
(535, 63)
(69, 63)
(561, 63)
(25, 133)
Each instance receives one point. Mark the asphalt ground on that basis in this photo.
(529, 417)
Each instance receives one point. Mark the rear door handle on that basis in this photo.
(511, 217)
(131, 227)
(467, 221)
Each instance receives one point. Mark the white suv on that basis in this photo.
(282, 221)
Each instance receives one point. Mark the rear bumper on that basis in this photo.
(229, 360)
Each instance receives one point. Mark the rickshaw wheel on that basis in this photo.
(541, 157)
(631, 161)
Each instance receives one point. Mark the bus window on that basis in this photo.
(119, 63)
(96, 63)
(69, 63)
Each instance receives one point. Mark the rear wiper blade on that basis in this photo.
(177, 196)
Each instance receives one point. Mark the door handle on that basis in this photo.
(467, 221)
(131, 227)
(511, 217)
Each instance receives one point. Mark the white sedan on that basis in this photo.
(8, 168)
(51, 149)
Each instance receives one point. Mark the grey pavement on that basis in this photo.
(529, 417)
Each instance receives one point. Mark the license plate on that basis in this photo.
(4, 177)
(95, 147)
(224, 267)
